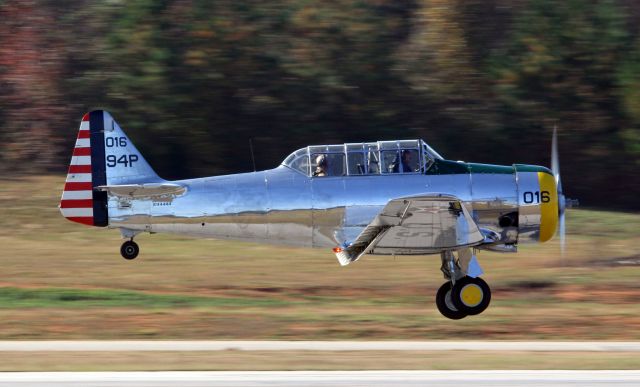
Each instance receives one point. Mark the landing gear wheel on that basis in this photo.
(471, 295)
(445, 304)
(129, 250)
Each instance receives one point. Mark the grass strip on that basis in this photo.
(12, 297)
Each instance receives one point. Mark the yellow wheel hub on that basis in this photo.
(471, 295)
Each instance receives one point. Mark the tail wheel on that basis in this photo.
(129, 250)
(471, 295)
(445, 304)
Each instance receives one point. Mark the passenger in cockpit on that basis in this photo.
(321, 166)
(406, 160)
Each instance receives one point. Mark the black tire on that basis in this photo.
(129, 250)
(477, 298)
(444, 304)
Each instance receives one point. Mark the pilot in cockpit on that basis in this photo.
(321, 166)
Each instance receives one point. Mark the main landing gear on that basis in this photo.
(465, 294)
(129, 249)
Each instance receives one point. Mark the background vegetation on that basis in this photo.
(193, 81)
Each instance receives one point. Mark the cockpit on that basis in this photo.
(365, 158)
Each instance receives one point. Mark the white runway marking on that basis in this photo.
(192, 346)
(324, 378)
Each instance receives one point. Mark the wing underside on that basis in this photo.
(422, 224)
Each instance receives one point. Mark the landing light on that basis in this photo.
(337, 250)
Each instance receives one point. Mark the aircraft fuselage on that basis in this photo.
(283, 206)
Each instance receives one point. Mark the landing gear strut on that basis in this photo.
(129, 249)
(462, 295)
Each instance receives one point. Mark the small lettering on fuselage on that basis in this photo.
(536, 197)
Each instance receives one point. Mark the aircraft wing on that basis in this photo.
(422, 224)
(147, 190)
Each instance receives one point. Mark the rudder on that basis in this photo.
(79, 202)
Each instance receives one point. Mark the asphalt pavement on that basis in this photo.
(323, 378)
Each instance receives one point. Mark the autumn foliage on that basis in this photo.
(193, 81)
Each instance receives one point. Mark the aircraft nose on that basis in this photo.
(537, 202)
(549, 213)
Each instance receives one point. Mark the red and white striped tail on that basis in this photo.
(103, 156)
(77, 198)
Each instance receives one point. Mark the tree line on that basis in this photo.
(193, 81)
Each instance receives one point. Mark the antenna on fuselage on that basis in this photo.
(253, 159)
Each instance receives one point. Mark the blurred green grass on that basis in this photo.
(603, 224)
(11, 297)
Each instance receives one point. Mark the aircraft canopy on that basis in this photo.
(363, 158)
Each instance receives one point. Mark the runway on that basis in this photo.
(324, 378)
(194, 346)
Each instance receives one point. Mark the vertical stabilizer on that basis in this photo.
(124, 163)
(103, 155)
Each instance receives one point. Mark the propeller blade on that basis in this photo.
(555, 168)
(555, 162)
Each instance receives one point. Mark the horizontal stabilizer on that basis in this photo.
(143, 190)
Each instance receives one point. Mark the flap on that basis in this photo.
(421, 224)
(143, 190)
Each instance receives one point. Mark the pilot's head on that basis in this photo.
(321, 161)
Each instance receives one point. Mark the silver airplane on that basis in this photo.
(383, 198)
